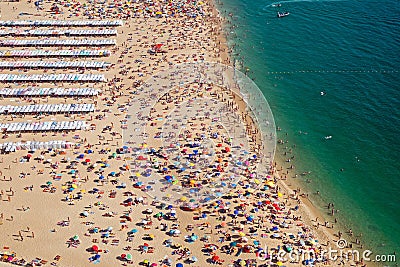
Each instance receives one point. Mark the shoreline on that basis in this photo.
(311, 211)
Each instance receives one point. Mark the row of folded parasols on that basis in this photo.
(106, 32)
(61, 23)
(58, 42)
(47, 108)
(37, 91)
(42, 126)
(55, 53)
(52, 78)
(53, 64)
(33, 145)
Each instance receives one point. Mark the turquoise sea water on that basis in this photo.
(351, 51)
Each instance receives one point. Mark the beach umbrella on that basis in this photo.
(154, 264)
(97, 256)
(179, 265)
(146, 261)
(123, 256)
(233, 244)
(242, 263)
(129, 257)
(76, 237)
(95, 248)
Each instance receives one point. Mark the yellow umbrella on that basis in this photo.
(242, 234)
(74, 186)
(257, 181)
(158, 13)
(270, 183)
(183, 198)
(279, 263)
(151, 236)
(280, 194)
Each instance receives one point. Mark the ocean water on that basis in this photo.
(350, 50)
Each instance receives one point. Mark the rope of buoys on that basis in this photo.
(331, 71)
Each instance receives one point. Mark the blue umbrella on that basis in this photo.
(179, 265)
(97, 256)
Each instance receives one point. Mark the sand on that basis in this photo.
(42, 224)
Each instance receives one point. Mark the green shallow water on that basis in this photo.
(349, 50)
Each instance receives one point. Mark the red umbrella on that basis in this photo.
(87, 160)
(123, 256)
(95, 248)
(145, 245)
(215, 258)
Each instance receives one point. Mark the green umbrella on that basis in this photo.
(129, 257)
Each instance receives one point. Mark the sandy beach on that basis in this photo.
(86, 202)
